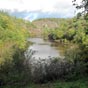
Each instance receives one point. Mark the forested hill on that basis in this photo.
(69, 29)
(57, 22)
(48, 22)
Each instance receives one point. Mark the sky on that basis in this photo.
(35, 9)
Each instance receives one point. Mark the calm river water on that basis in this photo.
(44, 49)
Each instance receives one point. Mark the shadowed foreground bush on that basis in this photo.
(56, 69)
(15, 72)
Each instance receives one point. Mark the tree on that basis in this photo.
(83, 5)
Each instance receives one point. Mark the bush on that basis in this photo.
(75, 56)
(49, 70)
(15, 72)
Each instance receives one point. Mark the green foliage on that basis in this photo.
(13, 32)
(14, 72)
(63, 29)
(68, 29)
(13, 35)
(12, 29)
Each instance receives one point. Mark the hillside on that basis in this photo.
(49, 22)
(59, 27)
(44, 24)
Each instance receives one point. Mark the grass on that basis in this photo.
(81, 83)
(58, 84)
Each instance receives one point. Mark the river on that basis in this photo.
(44, 49)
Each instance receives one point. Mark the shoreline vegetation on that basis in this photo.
(15, 70)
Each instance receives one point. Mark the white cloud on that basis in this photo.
(32, 5)
(50, 6)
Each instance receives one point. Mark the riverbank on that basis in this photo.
(81, 83)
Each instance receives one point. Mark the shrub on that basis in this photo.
(15, 72)
(49, 70)
(75, 56)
